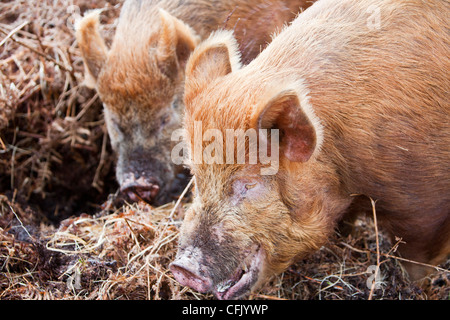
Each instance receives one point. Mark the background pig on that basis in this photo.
(140, 79)
(362, 109)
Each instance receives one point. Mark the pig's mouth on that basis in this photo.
(143, 189)
(243, 279)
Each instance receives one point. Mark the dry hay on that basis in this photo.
(54, 153)
(125, 253)
(57, 239)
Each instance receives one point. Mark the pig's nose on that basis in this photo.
(188, 275)
(140, 192)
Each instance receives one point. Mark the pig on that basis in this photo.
(140, 78)
(358, 91)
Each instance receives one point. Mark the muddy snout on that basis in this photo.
(140, 188)
(142, 176)
(225, 278)
(188, 271)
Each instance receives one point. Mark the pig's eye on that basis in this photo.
(114, 125)
(165, 119)
(175, 103)
(249, 186)
(244, 189)
(241, 188)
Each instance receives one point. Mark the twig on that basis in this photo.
(21, 224)
(180, 198)
(16, 29)
(86, 107)
(375, 276)
(95, 183)
(2, 144)
(394, 257)
(263, 296)
(67, 69)
(395, 246)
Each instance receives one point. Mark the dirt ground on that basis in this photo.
(65, 233)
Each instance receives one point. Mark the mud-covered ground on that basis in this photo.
(65, 233)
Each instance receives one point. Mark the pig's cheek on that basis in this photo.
(218, 233)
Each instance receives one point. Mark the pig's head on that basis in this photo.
(140, 82)
(243, 226)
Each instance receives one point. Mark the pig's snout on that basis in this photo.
(140, 189)
(187, 271)
(142, 193)
(225, 280)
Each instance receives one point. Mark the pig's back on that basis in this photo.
(253, 22)
(381, 92)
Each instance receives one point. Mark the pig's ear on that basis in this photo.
(92, 46)
(176, 40)
(215, 57)
(300, 131)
